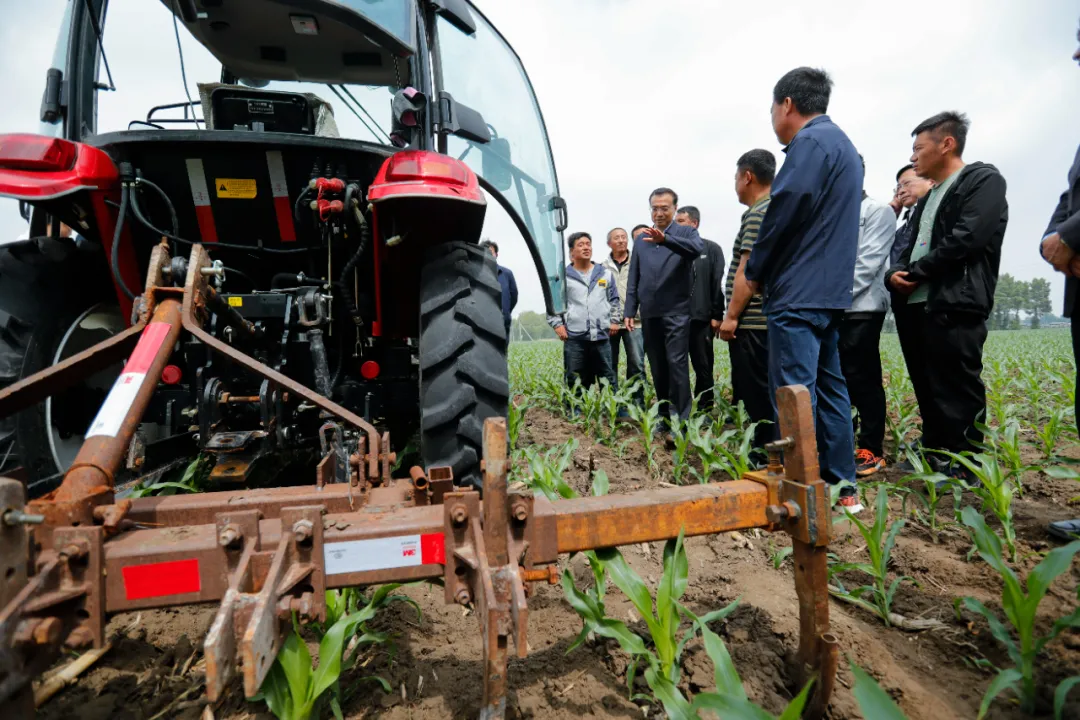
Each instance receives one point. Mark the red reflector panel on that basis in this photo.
(433, 549)
(36, 152)
(370, 370)
(426, 166)
(153, 336)
(171, 375)
(160, 579)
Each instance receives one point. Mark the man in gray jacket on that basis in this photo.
(593, 314)
(860, 333)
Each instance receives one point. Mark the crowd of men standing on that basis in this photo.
(815, 266)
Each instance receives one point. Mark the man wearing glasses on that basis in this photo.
(659, 286)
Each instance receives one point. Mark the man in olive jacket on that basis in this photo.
(949, 274)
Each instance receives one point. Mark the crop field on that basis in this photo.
(949, 602)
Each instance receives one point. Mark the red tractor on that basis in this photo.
(349, 267)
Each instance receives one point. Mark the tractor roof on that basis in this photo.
(325, 41)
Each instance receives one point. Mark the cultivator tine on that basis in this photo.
(805, 514)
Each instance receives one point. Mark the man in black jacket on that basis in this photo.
(949, 274)
(706, 308)
(1061, 248)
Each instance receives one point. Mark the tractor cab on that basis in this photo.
(331, 163)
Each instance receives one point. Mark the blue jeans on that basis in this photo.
(804, 350)
(635, 359)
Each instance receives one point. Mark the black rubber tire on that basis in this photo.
(45, 285)
(463, 372)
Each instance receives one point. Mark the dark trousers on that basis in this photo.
(860, 360)
(943, 352)
(803, 350)
(701, 359)
(749, 353)
(635, 359)
(587, 360)
(667, 345)
(1076, 357)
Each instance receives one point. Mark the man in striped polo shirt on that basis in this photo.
(744, 327)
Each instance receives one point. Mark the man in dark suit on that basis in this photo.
(706, 308)
(659, 285)
(1061, 248)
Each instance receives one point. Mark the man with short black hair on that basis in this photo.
(618, 262)
(804, 259)
(506, 282)
(949, 274)
(659, 285)
(1061, 248)
(706, 308)
(744, 327)
(860, 333)
(593, 314)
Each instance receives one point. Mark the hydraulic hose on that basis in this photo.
(140, 180)
(125, 191)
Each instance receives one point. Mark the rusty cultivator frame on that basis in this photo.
(79, 554)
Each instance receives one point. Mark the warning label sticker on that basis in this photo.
(384, 553)
(115, 408)
(236, 188)
(236, 301)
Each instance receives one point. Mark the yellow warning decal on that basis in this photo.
(235, 188)
(235, 301)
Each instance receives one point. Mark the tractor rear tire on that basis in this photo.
(463, 372)
(46, 287)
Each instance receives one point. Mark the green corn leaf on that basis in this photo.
(600, 483)
(1061, 693)
(330, 653)
(1069, 621)
(582, 604)
(894, 587)
(295, 661)
(627, 580)
(1042, 575)
(378, 598)
(794, 709)
(674, 579)
(675, 705)
(335, 707)
(874, 702)
(1062, 473)
(846, 567)
(997, 629)
(1004, 680)
(581, 637)
(724, 672)
(275, 692)
(890, 540)
(728, 707)
(718, 614)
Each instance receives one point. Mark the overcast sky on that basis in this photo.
(638, 94)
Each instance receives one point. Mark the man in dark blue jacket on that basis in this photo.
(804, 261)
(507, 283)
(1061, 248)
(659, 285)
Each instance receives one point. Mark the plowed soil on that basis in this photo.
(435, 665)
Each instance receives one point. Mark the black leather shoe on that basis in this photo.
(1065, 529)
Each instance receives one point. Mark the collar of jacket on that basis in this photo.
(816, 120)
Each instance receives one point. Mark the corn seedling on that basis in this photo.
(193, 480)
(648, 419)
(683, 431)
(901, 416)
(663, 617)
(880, 537)
(545, 473)
(1004, 444)
(1049, 435)
(1020, 605)
(777, 556)
(934, 488)
(294, 689)
(735, 448)
(515, 420)
(995, 489)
